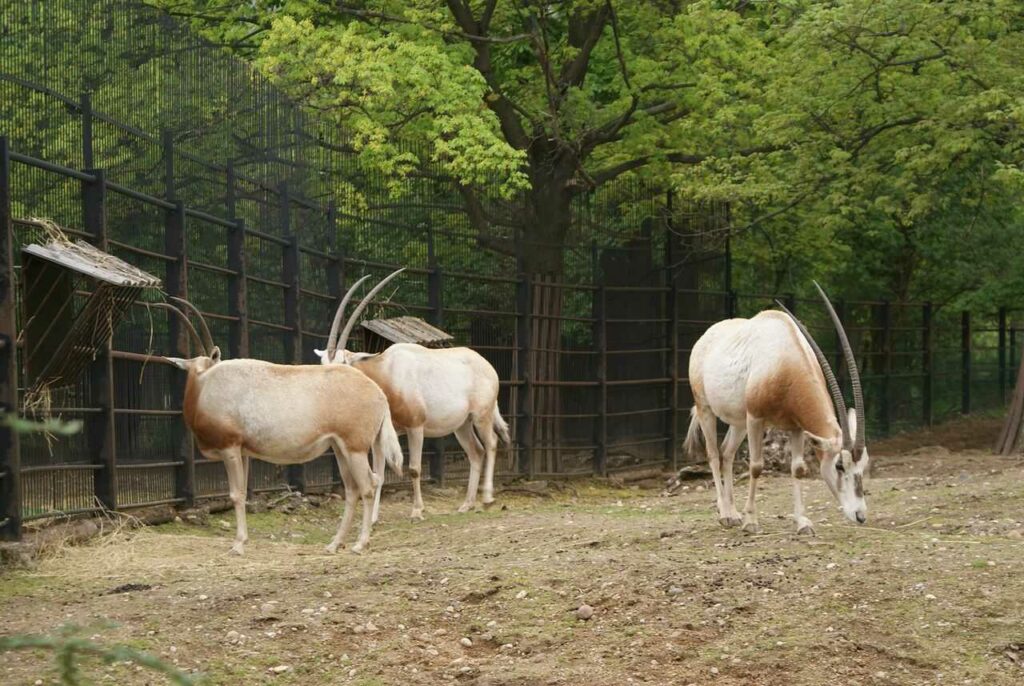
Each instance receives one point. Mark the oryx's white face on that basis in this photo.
(340, 356)
(845, 478)
(198, 364)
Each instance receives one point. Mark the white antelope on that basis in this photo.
(768, 371)
(285, 414)
(432, 393)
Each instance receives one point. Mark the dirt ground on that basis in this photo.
(930, 591)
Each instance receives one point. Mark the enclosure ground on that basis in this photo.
(929, 592)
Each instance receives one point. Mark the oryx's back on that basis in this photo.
(763, 367)
(250, 401)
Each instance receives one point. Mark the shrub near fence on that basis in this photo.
(196, 170)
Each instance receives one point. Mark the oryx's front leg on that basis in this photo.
(235, 465)
(798, 468)
(755, 443)
(415, 437)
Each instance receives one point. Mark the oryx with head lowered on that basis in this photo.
(768, 371)
(432, 393)
(286, 414)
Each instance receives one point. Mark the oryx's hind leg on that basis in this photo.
(349, 513)
(755, 443)
(798, 468)
(709, 428)
(378, 471)
(366, 485)
(415, 438)
(733, 439)
(475, 452)
(484, 425)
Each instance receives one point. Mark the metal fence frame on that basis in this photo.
(251, 236)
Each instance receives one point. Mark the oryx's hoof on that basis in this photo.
(488, 504)
(358, 548)
(465, 507)
(805, 528)
(331, 548)
(417, 515)
(751, 527)
(730, 521)
(238, 549)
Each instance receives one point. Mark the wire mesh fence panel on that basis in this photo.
(263, 215)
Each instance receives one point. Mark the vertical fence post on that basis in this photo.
(10, 455)
(601, 425)
(965, 362)
(672, 307)
(291, 259)
(435, 300)
(927, 371)
(839, 358)
(1002, 355)
(238, 301)
(176, 284)
(87, 147)
(100, 426)
(335, 281)
(887, 343)
(524, 427)
(732, 304)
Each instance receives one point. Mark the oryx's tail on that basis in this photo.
(694, 443)
(501, 427)
(386, 445)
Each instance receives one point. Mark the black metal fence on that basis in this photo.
(121, 126)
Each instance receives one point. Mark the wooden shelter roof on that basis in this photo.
(407, 330)
(88, 260)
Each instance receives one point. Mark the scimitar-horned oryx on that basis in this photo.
(768, 371)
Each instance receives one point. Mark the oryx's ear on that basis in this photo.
(828, 446)
(851, 418)
(319, 353)
(215, 354)
(179, 362)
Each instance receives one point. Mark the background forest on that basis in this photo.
(872, 144)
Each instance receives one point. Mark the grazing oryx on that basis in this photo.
(432, 393)
(768, 371)
(238, 409)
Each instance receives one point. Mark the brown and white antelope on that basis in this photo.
(284, 414)
(768, 371)
(432, 393)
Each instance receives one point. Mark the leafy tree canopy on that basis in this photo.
(876, 142)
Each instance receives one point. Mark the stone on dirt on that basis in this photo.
(584, 612)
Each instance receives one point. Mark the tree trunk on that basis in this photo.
(545, 225)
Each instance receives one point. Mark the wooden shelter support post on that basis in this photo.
(10, 456)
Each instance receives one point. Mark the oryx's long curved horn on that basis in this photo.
(830, 377)
(332, 337)
(351, 322)
(196, 340)
(851, 365)
(207, 338)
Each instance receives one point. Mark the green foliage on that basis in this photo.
(69, 649)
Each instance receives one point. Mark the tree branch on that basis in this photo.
(617, 170)
(584, 32)
(470, 35)
(506, 110)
